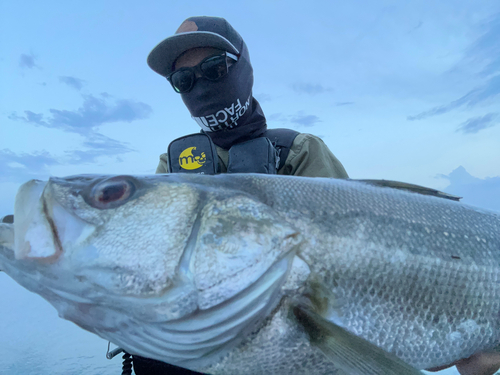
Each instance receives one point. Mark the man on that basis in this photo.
(207, 62)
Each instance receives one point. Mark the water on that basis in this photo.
(34, 340)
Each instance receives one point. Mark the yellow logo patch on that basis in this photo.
(188, 159)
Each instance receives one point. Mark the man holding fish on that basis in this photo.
(207, 62)
(257, 273)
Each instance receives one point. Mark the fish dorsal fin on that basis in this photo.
(411, 187)
(352, 354)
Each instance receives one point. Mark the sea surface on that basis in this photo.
(34, 340)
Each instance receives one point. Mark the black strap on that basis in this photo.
(257, 155)
(198, 152)
(147, 366)
(282, 139)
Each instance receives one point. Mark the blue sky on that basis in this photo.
(407, 91)
(397, 91)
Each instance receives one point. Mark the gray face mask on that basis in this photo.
(225, 108)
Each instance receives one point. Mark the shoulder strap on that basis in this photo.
(282, 139)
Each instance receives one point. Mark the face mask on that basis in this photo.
(225, 108)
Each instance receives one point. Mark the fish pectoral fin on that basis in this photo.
(352, 354)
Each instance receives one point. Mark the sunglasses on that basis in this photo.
(211, 68)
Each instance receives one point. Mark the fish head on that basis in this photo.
(112, 251)
(100, 237)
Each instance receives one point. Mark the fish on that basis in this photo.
(253, 274)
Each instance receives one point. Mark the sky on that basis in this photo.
(406, 91)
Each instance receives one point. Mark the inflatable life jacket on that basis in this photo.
(196, 153)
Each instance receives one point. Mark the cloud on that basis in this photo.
(84, 121)
(31, 117)
(418, 26)
(309, 88)
(275, 117)
(300, 119)
(482, 56)
(475, 191)
(27, 61)
(489, 90)
(475, 124)
(73, 82)
(22, 167)
(262, 98)
(93, 113)
(485, 50)
(97, 145)
(305, 120)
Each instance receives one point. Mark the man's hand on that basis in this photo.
(478, 364)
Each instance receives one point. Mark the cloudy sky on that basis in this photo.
(398, 90)
(406, 91)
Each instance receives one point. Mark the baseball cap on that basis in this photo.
(194, 32)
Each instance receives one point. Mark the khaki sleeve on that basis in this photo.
(163, 164)
(310, 157)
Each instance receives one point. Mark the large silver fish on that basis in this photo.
(256, 274)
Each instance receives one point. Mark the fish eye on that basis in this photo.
(111, 193)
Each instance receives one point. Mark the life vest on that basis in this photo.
(196, 153)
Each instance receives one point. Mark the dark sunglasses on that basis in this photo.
(211, 68)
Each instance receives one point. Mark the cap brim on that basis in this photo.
(161, 59)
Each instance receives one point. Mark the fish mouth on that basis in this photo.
(43, 230)
(31, 225)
